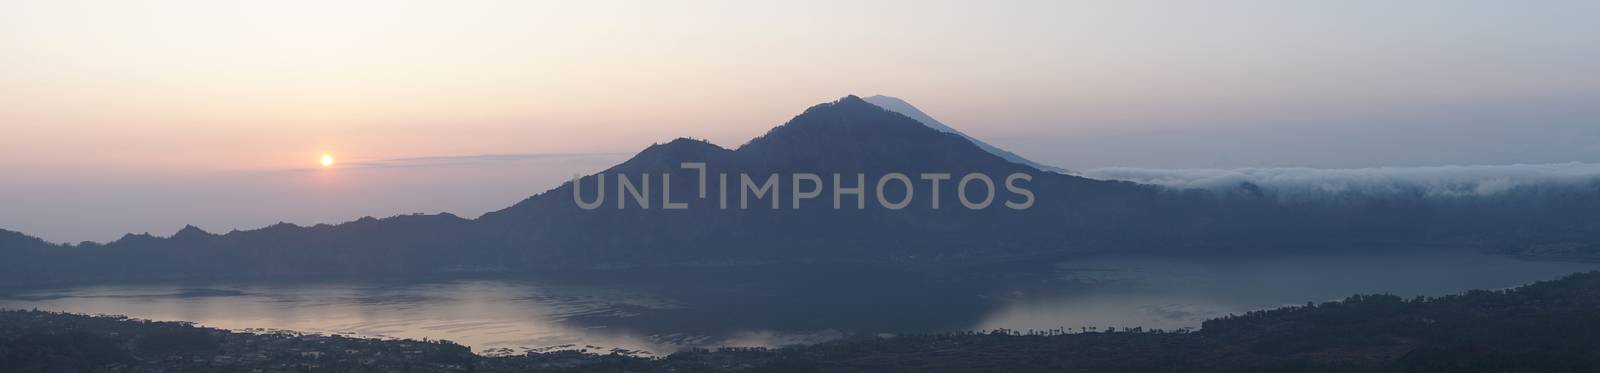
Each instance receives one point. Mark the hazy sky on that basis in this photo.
(143, 115)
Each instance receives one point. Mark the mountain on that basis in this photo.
(14, 239)
(729, 223)
(844, 137)
(905, 108)
(550, 230)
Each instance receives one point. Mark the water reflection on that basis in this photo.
(478, 313)
(779, 306)
(1173, 292)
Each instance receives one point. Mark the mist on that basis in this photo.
(1307, 183)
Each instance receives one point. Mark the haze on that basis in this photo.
(142, 116)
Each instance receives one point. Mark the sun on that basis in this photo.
(327, 160)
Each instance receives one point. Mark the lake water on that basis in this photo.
(762, 306)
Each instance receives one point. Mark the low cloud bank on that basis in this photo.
(1434, 182)
(438, 161)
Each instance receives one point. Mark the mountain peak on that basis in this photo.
(848, 102)
(191, 231)
(137, 239)
(682, 149)
(853, 133)
(848, 119)
(898, 105)
(687, 142)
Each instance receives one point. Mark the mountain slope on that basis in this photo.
(901, 106)
(726, 223)
(845, 137)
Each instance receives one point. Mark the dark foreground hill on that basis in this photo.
(1069, 214)
(1551, 326)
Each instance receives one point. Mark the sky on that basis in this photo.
(142, 116)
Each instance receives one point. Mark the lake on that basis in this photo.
(657, 311)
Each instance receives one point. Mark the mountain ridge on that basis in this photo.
(849, 136)
(905, 108)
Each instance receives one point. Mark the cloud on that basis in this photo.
(1435, 181)
(460, 160)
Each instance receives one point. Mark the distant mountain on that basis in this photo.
(844, 137)
(1069, 214)
(14, 239)
(905, 108)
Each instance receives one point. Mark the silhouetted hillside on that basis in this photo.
(1545, 327)
(19, 241)
(847, 137)
(1549, 326)
(395, 245)
(901, 106)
